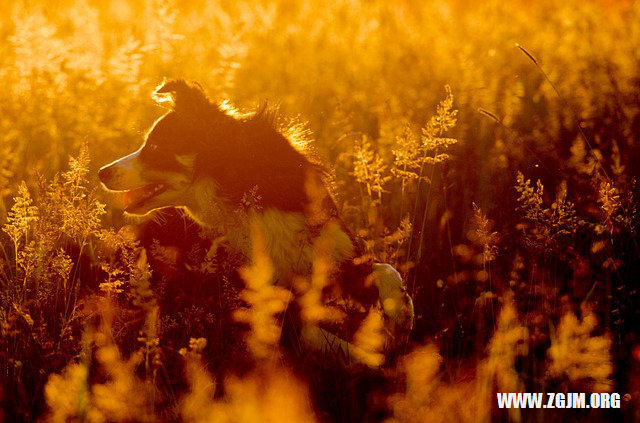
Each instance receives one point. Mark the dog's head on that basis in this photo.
(202, 153)
(161, 172)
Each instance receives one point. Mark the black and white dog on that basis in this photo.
(203, 158)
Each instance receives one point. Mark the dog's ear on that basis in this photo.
(185, 96)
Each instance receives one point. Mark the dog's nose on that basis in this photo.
(105, 173)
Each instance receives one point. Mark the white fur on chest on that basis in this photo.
(287, 236)
(287, 241)
(290, 243)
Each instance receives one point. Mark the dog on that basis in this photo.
(208, 160)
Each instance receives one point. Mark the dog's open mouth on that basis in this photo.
(136, 197)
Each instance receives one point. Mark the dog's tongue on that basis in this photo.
(135, 195)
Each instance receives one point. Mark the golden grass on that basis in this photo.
(489, 151)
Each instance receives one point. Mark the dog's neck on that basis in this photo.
(288, 237)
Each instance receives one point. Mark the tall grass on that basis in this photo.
(489, 151)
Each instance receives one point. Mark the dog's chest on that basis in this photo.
(288, 241)
(289, 237)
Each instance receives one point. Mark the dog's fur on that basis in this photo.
(213, 163)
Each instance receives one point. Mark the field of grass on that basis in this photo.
(488, 150)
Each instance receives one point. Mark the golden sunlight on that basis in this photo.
(328, 211)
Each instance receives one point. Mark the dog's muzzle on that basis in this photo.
(105, 174)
